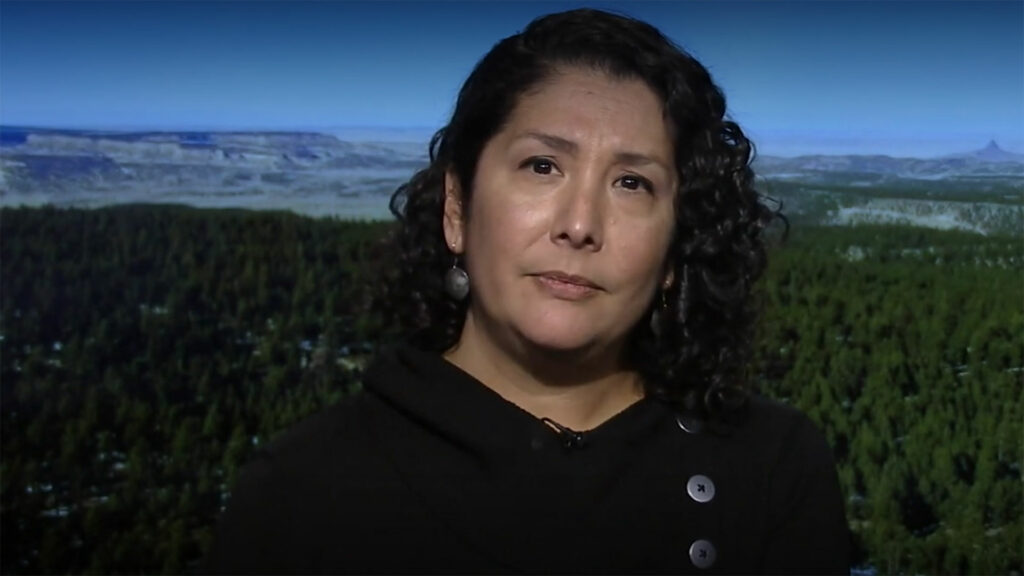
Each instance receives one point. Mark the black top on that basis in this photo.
(428, 470)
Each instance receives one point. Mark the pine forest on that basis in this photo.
(145, 351)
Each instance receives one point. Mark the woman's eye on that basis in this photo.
(636, 183)
(540, 165)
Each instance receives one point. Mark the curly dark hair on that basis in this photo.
(697, 357)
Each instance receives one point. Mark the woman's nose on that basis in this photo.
(579, 218)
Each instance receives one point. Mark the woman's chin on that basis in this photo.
(562, 341)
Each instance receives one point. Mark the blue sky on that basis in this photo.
(909, 78)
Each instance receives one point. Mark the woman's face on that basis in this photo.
(571, 217)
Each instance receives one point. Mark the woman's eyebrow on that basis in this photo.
(637, 159)
(552, 141)
(571, 148)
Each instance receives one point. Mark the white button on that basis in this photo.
(702, 553)
(700, 488)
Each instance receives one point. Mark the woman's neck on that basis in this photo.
(579, 390)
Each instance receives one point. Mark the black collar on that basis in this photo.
(451, 403)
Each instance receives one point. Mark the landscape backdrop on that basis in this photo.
(193, 197)
(322, 174)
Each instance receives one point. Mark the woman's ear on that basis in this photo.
(453, 216)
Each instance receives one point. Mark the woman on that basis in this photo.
(571, 286)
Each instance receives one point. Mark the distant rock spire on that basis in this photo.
(993, 153)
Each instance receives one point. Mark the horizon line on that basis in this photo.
(773, 138)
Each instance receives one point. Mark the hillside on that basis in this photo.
(305, 172)
(147, 351)
(321, 174)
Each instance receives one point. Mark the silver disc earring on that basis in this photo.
(456, 282)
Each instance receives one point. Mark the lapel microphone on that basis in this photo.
(570, 438)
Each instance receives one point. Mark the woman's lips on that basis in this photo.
(567, 286)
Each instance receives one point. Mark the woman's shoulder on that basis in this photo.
(772, 447)
(783, 441)
(322, 429)
(770, 422)
(290, 488)
(805, 502)
(316, 448)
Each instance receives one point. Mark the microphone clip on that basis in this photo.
(570, 438)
